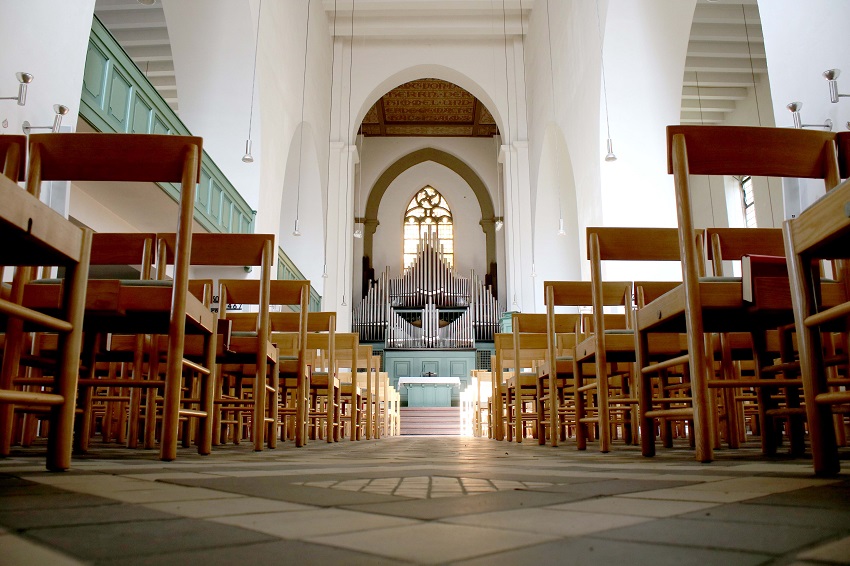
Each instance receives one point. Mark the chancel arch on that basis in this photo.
(458, 166)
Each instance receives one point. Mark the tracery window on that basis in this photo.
(427, 217)
(748, 202)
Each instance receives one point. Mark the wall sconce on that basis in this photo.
(24, 79)
(60, 111)
(831, 77)
(794, 108)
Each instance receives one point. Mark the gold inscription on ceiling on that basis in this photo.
(428, 107)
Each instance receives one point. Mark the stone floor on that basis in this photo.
(423, 500)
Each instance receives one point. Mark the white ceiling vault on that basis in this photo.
(725, 52)
(142, 32)
(430, 19)
(726, 48)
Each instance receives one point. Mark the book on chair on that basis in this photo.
(759, 269)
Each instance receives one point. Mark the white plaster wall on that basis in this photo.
(644, 54)
(556, 256)
(47, 38)
(213, 51)
(212, 42)
(302, 199)
(566, 101)
(767, 191)
(801, 41)
(93, 214)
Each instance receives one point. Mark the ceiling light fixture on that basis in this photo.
(795, 107)
(296, 231)
(24, 79)
(328, 182)
(358, 232)
(247, 158)
(831, 76)
(60, 110)
(348, 175)
(610, 144)
(561, 231)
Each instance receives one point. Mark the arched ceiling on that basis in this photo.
(429, 107)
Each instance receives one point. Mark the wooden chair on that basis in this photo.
(524, 387)
(347, 355)
(257, 340)
(821, 232)
(290, 332)
(703, 306)
(324, 384)
(769, 296)
(140, 158)
(33, 235)
(531, 345)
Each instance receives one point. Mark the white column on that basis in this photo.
(518, 232)
(340, 223)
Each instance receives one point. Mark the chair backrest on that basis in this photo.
(13, 154)
(115, 157)
(725, 244)
(130, 248)
(756, 151)
(738, 150)
(844, 154)
(130, 158)
(647, 291)
(222, 249)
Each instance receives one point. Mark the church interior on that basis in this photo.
(424, 282)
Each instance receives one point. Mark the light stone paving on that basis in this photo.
(418, 500)
(426, 487)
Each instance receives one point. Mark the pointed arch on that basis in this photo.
(485, 202)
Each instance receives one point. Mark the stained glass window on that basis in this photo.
(429, 218)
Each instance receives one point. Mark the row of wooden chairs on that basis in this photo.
(162, 328)
(687, 338)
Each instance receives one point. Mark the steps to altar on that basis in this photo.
(430, 421)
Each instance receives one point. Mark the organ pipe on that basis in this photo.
(429, 306)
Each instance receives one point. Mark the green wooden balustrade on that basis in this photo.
(286, 269)
(117, 97)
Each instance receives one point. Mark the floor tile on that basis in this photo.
(767, 539)
(836, 552)
(69, 516)
(828, 497)
(762, 484)
(303, 524)
(274, 488)
(417, 543)
(549, 521)
(687, 494)
(585, 550)
(19, 551)
(234, 506)
(93, 542)
(277, 552)
(748, 512)
(615, 487)
(632, 506)
(55, 501)
(438, 508)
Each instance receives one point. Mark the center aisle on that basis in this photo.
(423, 500)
